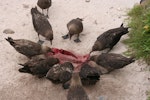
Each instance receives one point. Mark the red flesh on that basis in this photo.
(64, 56)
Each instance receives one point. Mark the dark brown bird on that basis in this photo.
(75, 27)
(60, 73)
(109, 38)
(89, 74)
(27, 47)
(111, 61)
(32, 62)
(144, 3)
(41, 25)
(76, 91)
(44, 4)
(38, 65)
(141, 1)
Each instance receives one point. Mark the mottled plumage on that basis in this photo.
(60, 73)
(39, 65)
(109, 38)
(41, 25)
(75, 27)
(44, 4)
(111, 61)
(27, 47)
(76, 91)
(89, 74)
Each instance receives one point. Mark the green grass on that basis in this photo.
(148, 94)
(139, 36)
(148, 98)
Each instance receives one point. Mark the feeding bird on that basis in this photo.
(44, 4)
(75, 27)
(38, 65)
(111, 61)
(42, 25)
(76, 90)
(89, 74)
(27, 47)
(32, 62)
(109, 38)
(60, 73)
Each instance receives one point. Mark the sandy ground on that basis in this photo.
(129, 83)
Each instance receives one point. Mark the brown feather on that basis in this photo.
(109, 38)
(76, 91)
(75, 26)
(27, 47)
(111, 61)
(41, 24)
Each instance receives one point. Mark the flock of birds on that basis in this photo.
(42, 65)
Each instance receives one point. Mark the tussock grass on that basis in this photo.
(139, 36)
(148, 94)
(148, 98)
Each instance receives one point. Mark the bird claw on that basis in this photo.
(40, 42)
(77, 40)
(65, 36)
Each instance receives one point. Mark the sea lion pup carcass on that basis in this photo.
(41, 25)
(39, 66)
(27, 47)
(76, 91)
(44, 4)
(111, 61)
(60, 73)
(109, 38)
(75, 26)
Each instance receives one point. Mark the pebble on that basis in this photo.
(8, 31)
(25, 6)
(87, 0)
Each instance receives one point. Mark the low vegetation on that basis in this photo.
(139, 36)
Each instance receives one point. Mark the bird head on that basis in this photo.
(46, 49)
(124, 29)
(52, 61)
(95, 48)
